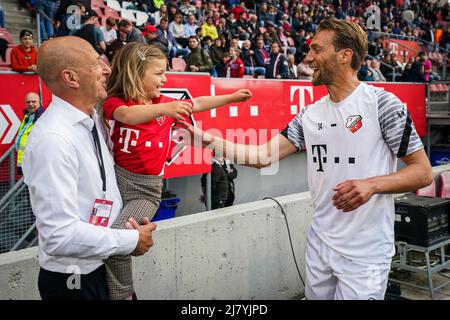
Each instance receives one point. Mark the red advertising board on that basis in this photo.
(402, 48)
(273, 105)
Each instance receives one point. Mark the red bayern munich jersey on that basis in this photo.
(140, 148)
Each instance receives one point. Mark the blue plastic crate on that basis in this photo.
(167, 209)
(439, 157)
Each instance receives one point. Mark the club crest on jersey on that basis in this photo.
(161, 119)
(354, 123)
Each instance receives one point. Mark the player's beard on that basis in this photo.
(326, 72)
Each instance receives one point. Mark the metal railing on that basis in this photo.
(16, 217)
(394, 74)
(424, 43)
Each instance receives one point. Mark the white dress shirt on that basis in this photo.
(62, 172)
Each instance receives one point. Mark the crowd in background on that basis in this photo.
(262, 38)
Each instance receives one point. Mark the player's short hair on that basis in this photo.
(128, 69)
(347, 35)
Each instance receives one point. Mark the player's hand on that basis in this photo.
(198, 137)
(145, 241)
(241, 95)
(179, 109)
(351, 194)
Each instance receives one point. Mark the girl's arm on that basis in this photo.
(210, 102)
(137, 114)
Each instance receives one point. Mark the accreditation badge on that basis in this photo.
(101, 212)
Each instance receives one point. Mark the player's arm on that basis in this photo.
(137, 114)
(249, 155)
(209, 102)
(417, 174)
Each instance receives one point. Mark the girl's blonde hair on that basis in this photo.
(128, 69)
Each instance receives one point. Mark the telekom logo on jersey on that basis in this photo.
(127, 141)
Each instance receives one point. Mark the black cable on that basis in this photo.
(290, 239)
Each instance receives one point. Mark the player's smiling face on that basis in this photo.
(322, 58)
(154, 78)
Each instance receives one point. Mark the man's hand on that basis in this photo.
(145, 230)
(351, 194)
(240, 95)
(32, 68)
(179, 108)
(194, 68)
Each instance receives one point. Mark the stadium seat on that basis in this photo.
(4, 34)
(428, 191)
(434, 87)
(111, 13)
(98, 3)
(178, 64)
(445, 185)
(128, 14)
(114, 4)
(7, 61)
(99, 11)
(141, 18)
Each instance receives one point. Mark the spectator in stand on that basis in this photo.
(173, 10)
(162, 12)
(66, 4)
(292, 67)
(235, 67)
(116, 45)
(277, 65)
(176, 27)
(248, 57)
(190, 26)
(239, 9)
(253, 25)
(243, 28)
(133, 34)
(153, 37)
(23, 57)
(90, 32)
(415, 73)
(198, 59)
(283, 10)
(207, 43)
(33, 110)
(44, 7)
(174, 48)
(264, 15)
(222, 28)
(304, 71)
(187, 9)
(261, 55)
(220, 67)
(374, 67)
(2, 17)
(231, 24)
(109, 32)
(209, 29)
(70, 21)
(217, 52)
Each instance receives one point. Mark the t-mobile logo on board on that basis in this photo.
(127, 141)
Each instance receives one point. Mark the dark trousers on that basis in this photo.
(53, 285)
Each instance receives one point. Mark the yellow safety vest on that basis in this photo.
(22, 137)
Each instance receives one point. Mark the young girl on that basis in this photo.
(141, 137)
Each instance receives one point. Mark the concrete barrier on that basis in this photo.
(241, 252)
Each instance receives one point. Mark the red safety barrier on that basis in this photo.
(273, 105)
